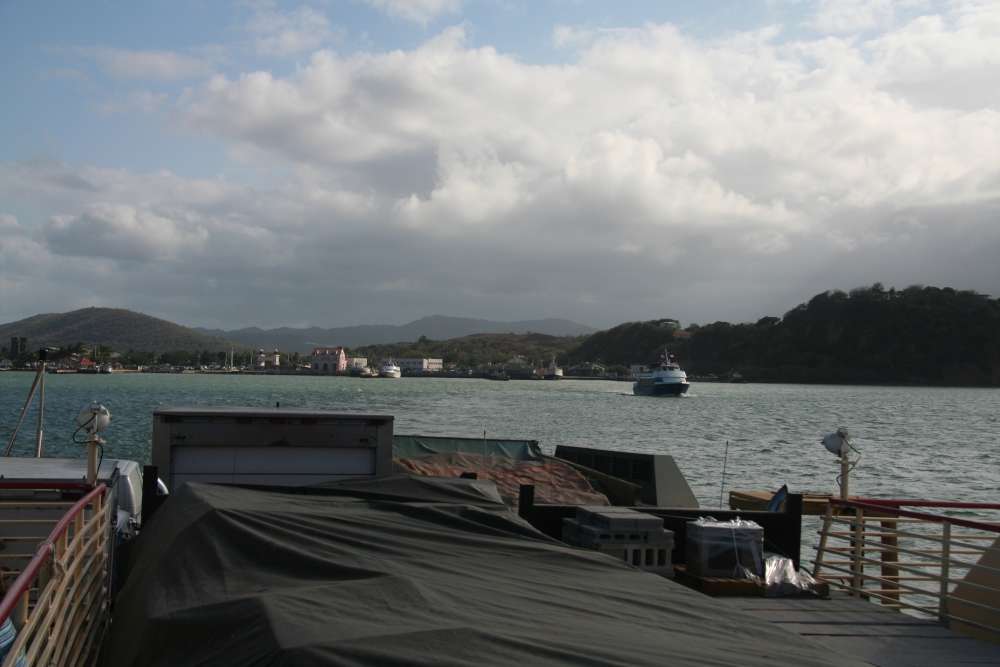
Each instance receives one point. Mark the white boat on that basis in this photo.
(553, 372)
(389, 370)
(664, 379)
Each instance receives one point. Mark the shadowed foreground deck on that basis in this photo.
(852, 627)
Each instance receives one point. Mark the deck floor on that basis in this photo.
(854, 627)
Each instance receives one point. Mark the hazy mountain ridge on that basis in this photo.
(117, 328)
(434, 327)
(123, 330)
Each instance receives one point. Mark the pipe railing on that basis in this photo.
(924, 562)
(58, 602)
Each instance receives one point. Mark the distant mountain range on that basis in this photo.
(435, 327)
(125, 330)
(120, 329)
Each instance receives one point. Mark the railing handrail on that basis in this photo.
(44, 553)
(896, 510)
(921, 502)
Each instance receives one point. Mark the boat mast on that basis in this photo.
(38, 382)
(40, 435)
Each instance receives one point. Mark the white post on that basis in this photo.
(92, 459)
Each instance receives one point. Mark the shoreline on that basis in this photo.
(484, 376)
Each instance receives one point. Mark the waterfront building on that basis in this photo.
(414, 365)
(357, 363)
(328, 360)
(261, 359)
(275, 360)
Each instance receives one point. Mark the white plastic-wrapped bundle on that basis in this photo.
(732, 549)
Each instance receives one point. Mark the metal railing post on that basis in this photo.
(945, 571)
(823, 536)
(858, 564)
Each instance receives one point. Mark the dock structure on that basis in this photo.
(813, 503)
(856, 628)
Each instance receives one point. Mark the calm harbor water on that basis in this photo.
(915, 442)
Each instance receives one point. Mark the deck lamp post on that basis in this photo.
(92, 420)
(839, 444)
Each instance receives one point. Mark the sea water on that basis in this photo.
(914, 442)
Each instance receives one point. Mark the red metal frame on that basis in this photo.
(911, 502)
(893, 506)
(44, 551)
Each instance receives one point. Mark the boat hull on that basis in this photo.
(660, 389)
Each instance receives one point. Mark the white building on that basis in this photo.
(357, 363)
(413, 365)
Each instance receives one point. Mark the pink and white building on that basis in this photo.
(328, 360)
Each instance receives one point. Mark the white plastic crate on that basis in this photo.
(726, 549)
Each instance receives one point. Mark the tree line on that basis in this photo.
(918, 335)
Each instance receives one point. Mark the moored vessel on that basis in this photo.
(553, 372)
(390, 369)
(666, 378)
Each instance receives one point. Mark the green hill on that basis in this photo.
(478, 348)
(919, 335)
(628, 343)
(116, 328)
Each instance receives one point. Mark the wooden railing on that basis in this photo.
(59, 600)
(925, 562)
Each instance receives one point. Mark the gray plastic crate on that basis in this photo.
(723, 549)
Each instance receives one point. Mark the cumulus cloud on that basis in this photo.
(417, 11)
(652, 174)
(122, 232)
(279, 33)
(851, 16)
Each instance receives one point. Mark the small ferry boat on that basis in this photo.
(664, 379)
(390, 370)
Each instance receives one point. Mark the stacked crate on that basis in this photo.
(637, 538)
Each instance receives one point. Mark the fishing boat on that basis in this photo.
(663, 379)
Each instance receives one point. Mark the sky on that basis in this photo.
(339, 162)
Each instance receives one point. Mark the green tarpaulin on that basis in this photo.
(415, 446)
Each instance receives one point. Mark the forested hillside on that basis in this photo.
(919, 335)
(478, 349)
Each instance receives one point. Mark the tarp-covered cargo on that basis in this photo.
(556, 482)
(405, 571)
(415, 446)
